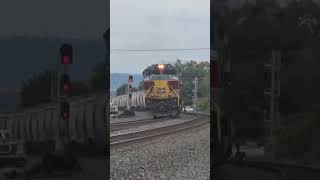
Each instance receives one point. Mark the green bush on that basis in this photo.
(203, 105)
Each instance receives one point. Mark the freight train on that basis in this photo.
(162, 90)
(161, 95)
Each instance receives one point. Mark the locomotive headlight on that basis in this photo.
(161, 66)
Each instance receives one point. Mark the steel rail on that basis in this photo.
(157, 132)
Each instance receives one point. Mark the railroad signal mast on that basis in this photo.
(66, 58)
(129, 92)
(63, 91)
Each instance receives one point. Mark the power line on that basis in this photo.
(185, 49)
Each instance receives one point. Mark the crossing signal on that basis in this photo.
(65, 110)
(65, 85)
(66, 54)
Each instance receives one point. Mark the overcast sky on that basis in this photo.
(158, 24)
(84, 19)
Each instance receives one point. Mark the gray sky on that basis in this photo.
(158, 24)
(84, 19)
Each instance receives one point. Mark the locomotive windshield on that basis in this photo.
(163, 70)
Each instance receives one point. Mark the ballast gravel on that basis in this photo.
(185, 155)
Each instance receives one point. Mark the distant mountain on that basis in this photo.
(118, 79)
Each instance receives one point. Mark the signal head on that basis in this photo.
(65, 110)
(66, 54)
(130, 78)
(65, 85)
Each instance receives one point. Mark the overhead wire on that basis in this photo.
(148, 50)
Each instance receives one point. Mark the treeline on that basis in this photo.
(189, 70)
(253, 31)
(37, 89)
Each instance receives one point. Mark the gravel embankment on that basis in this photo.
(185, 155)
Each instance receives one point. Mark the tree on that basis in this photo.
(37, 89)
(188, 71)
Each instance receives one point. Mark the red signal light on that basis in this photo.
(66, 53)
(66, 115)
(65, 110)
(130, 78)
(66, 60)
(130, 88)
(65, 85)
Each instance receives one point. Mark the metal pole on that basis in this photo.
(59, 146)
(278, 87)
(196, 93)
(272, 100)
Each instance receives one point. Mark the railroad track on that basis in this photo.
(282, 171)
(129, 124)
(135, 137)
(134, 123)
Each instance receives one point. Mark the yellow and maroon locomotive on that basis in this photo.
(162, 90)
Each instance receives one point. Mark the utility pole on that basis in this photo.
(195, 94)
(271, 100)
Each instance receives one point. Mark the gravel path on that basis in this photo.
(185, 155)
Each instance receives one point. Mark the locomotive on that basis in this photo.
(162, 90)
